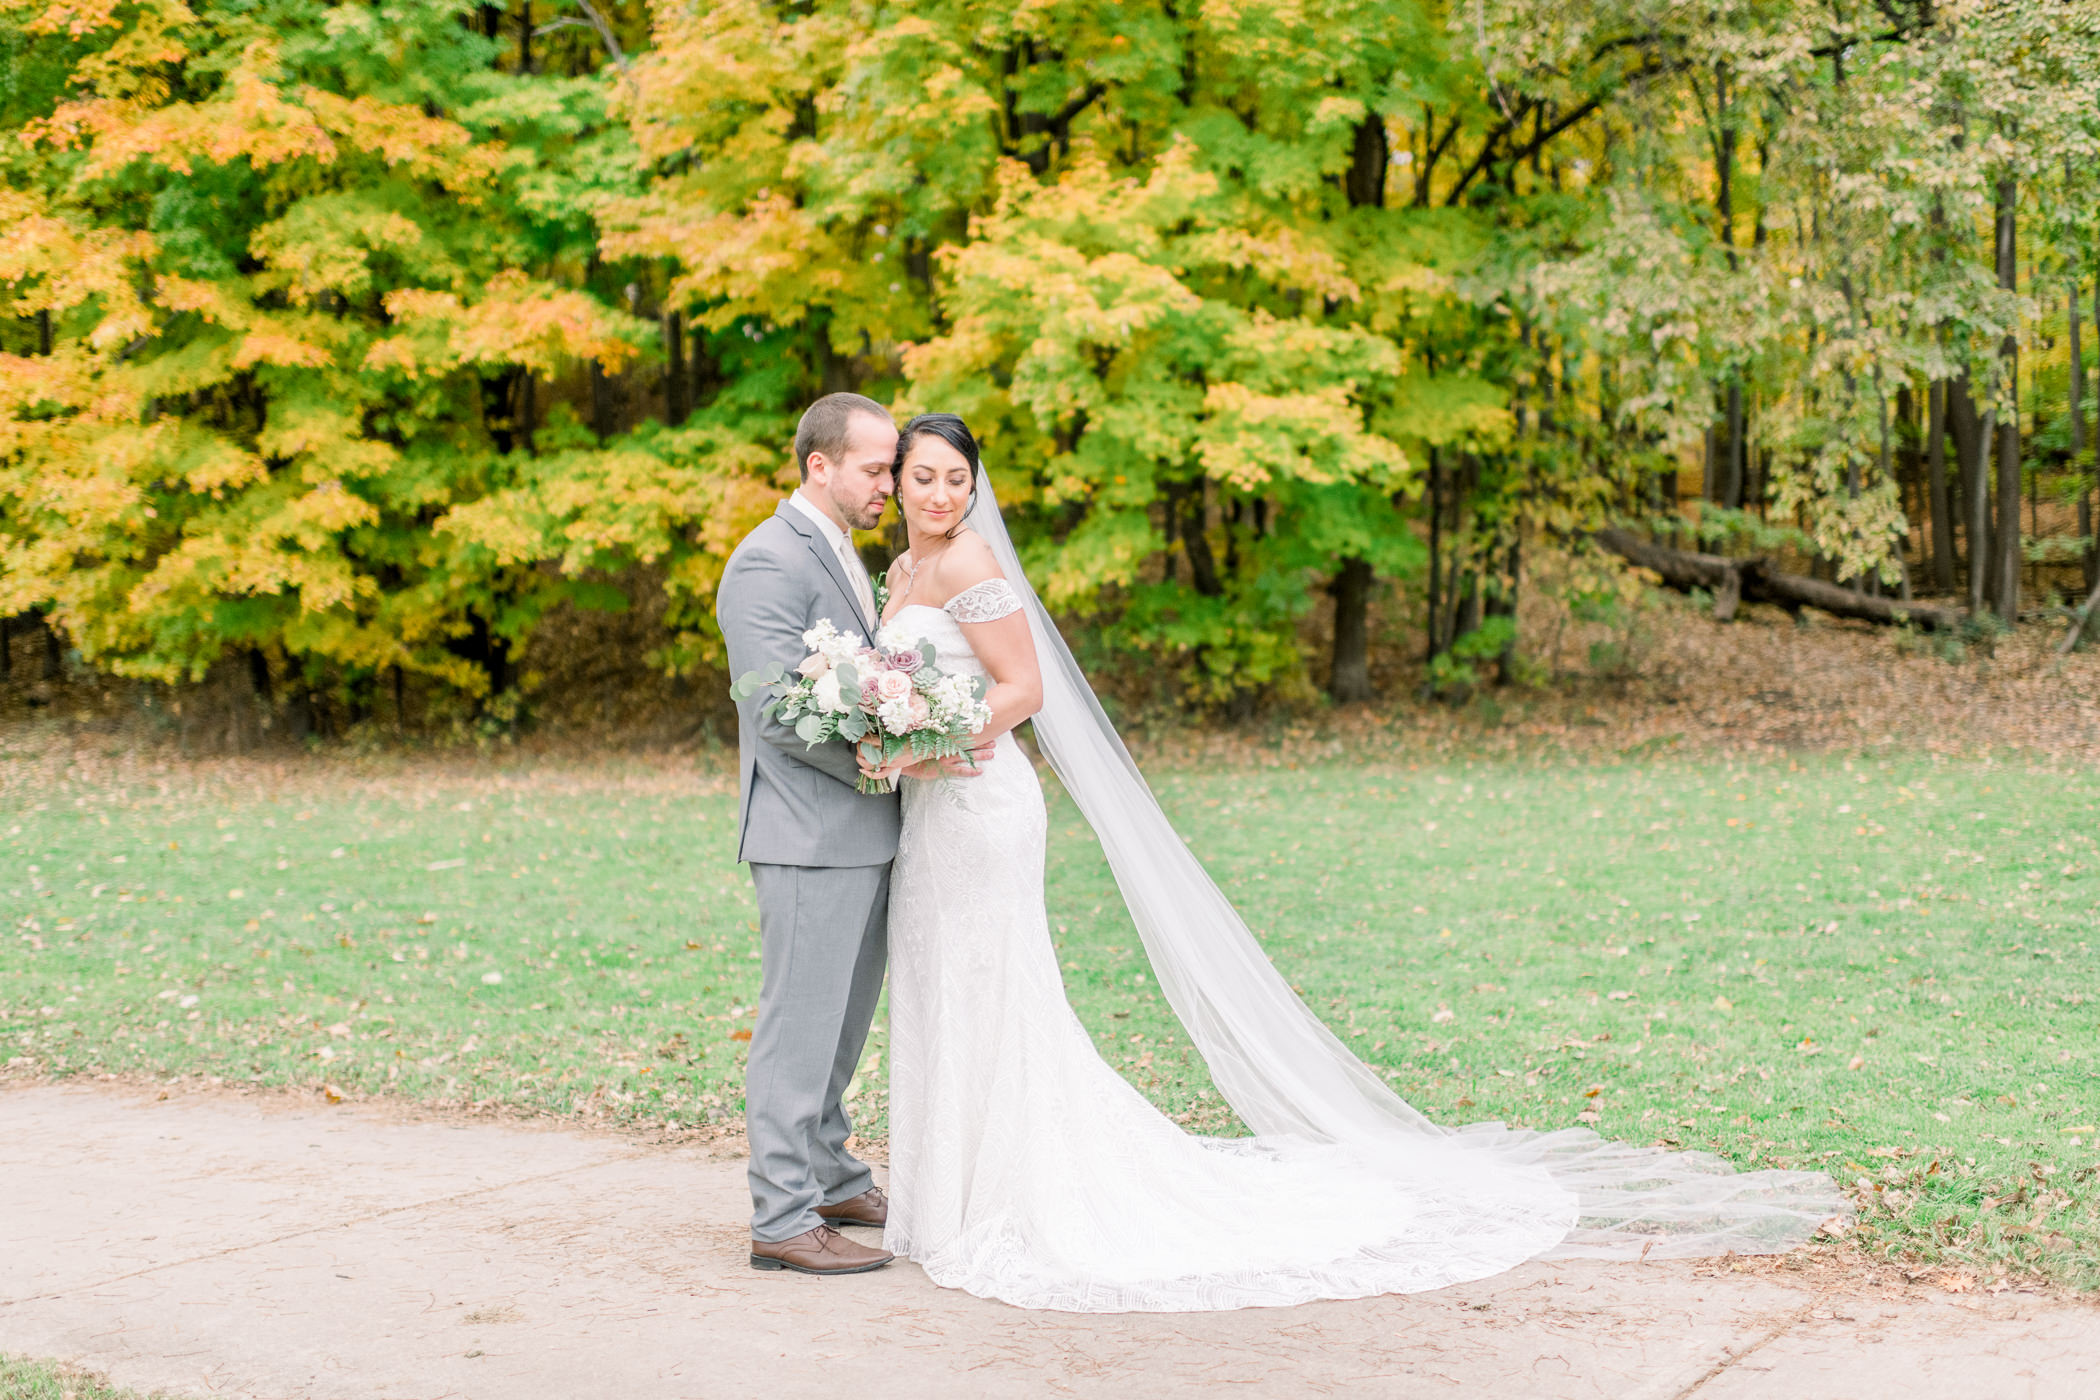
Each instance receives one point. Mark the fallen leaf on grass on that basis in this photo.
(740, 1035)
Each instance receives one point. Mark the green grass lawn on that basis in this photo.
(1880, 967)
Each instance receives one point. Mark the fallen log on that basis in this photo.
(2085, 625)
(1733, 580)
(1682, 569)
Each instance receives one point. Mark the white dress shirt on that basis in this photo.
(842, 545)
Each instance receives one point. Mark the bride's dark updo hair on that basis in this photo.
(949, 429)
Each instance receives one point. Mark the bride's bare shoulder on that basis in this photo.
(967, 563)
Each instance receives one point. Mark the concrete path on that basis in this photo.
(281, 1249)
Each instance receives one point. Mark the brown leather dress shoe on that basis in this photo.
(819, 1251)
(870, 1207)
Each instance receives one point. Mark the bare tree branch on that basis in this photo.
(591, 20)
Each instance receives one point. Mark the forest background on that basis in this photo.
(349, 352)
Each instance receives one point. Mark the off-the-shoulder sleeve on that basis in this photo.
(984, 602)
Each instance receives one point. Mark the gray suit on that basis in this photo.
(820, 857)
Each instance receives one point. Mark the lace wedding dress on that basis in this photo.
(1024, 1168)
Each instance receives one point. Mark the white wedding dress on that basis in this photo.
(1024, 1168)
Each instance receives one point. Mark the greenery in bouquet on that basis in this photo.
(892, 698)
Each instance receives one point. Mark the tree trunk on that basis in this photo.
(1461, 587)
(1465, 618)
(488, 649)
(1910, 479)
(1365, 182)
(1967, 431)
(2085, 497)
(1436, 542)
(1732, 472)
(1729, 480)
(528, 409)
(601, 403)
(1936, 487)
(7, 626)
(1504, 604)
(1195, 542)
(1983, 555)
(677, 389)
(2005, 593)
(1349, 682)
(2085, 489)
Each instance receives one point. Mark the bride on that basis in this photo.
(1024, 1168)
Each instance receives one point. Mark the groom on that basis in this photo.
(819, 851)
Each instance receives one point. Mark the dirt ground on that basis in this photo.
(281, 1247)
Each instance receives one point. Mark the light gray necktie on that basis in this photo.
(857, 572)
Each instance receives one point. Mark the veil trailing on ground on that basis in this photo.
(1288, 1076)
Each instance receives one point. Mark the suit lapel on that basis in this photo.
(829, 558)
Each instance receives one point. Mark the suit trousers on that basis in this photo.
(823, 945)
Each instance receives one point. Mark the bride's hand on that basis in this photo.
(970, 763)
(868, 754)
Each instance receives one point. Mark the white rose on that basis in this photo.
(826, 694)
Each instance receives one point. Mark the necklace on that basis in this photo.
(910, 561)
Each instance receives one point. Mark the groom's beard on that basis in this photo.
(867, 517)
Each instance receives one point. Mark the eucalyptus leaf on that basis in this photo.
(810, 728)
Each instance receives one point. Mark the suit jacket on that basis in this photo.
(798, 805)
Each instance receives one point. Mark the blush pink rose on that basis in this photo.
(920, 711)
(893, 685)
(813, 665)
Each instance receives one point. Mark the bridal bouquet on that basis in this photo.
(894, 697)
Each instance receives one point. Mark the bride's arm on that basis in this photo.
(1003, 643)
(1008, 653)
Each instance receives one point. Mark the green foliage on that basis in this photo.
(22, 1379)
(359, 339)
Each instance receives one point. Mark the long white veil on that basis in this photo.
(1288, 1076)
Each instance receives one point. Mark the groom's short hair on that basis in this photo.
(827, 427)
